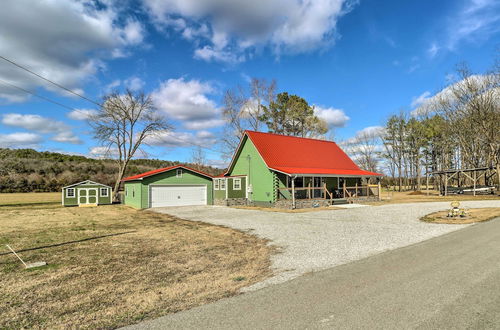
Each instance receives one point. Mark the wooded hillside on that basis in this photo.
(27, 170)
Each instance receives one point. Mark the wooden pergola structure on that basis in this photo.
(474, 174)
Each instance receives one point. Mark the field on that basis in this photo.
(30, 198)
(110, 266)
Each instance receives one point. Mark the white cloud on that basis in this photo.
(433, 50)
(188, 101)
(134, 84)
(41, 124)
(103, 152)
(182, 139)
(218, 163)
(82, 114)
(224, 29)
(333, 117)
(67, 137)
(476, 21)
(19, 140)
(210, 54)
(421, 99)
(429, 104)
(203, 124)
(65, 41)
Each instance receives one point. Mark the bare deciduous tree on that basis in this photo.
(198, 158)
(242, 110)
(124, 123)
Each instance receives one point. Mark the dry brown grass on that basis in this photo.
(272, 209)
(395, 197)
(162, 265)
(30, 198)
(475, 215)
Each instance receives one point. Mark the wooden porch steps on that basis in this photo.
(337, 201)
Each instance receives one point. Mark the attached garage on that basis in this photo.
(172, 186)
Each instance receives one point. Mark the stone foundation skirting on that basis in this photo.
(232, 202)
(302, 203)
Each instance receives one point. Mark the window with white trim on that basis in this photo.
(104, 192)
(70, 192)
(222, 184)
(178, 174)
(236, 184)
(216, 184)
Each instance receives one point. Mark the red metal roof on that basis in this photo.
(161, 170)
(296, 155)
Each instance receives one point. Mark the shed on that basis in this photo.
(86, 193)
(170, 186)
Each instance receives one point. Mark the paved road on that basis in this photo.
(319, 240)
(452, 282)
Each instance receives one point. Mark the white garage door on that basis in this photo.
(178, 195)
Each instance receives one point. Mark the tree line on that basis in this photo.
(458, 128)
(28, 170)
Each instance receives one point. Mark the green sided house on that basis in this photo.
(171, 186)
(292, 172)
(86, 193)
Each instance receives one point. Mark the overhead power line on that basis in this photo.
(37, 95)
(79, 110)
(48, 80)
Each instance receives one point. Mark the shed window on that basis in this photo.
(222, 184)
(104, 192)
(70, 192)
(179, 173)
(216, 184)
(133, 192)
(237, 184)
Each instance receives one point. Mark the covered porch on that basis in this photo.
(328, 188)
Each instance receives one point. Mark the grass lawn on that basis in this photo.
(153, 265)
(30, 198)
(475, 215)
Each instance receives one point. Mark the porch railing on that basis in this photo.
(371, 190)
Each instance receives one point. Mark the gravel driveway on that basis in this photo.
(319, 240)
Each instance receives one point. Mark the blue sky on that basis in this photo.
(356, 61)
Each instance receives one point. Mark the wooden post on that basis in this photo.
(356, 191)
(343, 188)
(379, 190)
(293, 192)
(427, 183)
(446, 184)
(474, 184)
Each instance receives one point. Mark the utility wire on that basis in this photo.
(48, 80)
(37, 95)
(78, 110)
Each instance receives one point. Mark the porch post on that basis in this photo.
(343, 188)
(293, 192)
(379, 190)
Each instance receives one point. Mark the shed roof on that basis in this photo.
(86, 182)
(161, 170)
(296, 155)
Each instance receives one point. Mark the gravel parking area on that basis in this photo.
(315, 241)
